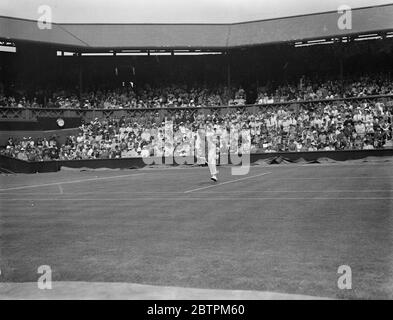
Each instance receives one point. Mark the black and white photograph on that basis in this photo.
(203, 153)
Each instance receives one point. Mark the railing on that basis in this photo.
(31, 114)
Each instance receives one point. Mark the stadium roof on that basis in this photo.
(159, 24)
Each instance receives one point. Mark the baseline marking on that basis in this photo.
(195, 198)
(376, 163)
(226, 182)
(216, 192)
(68, 182)
(339, 178)
(292, 191)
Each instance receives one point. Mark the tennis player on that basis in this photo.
(211, 139)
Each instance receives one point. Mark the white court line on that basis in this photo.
(268, 166)
(68, 182)
(376, 163)
(195, 198)
(226, 182)
(335, 164)
(339, 178)
(294, 191)
(216, 192)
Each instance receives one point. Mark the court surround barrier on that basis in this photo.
(19, 166)
(32, 114)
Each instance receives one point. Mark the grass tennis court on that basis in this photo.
(283, 228)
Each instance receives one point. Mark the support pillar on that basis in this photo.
(80, 75)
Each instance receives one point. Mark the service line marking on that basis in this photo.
(226, 182)
(69, 182)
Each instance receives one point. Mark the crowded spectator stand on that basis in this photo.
(328, 122)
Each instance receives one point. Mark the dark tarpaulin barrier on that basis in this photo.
(20, 166)
(13, 165)
(318, 156)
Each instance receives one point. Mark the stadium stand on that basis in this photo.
(339, 125)
(182, 96)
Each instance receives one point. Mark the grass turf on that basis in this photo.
(287, 231)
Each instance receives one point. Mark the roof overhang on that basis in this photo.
(188, 36)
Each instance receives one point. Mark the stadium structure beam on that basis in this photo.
(306, 27)
(228, 64)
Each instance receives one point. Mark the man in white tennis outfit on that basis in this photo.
(211, 138)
